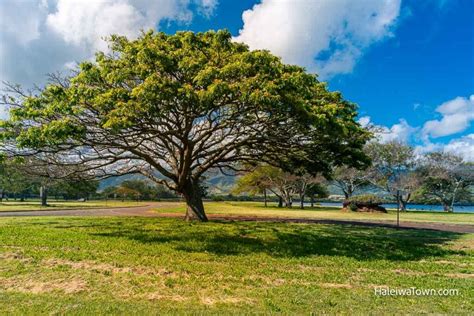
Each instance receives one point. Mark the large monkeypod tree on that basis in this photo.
(172, 107)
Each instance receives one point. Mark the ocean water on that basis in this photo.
(415, 207)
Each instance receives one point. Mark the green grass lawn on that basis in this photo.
(137, 266)
(250, 209)
(257, 209)
(35, 205)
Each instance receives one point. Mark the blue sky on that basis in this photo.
(408, 64)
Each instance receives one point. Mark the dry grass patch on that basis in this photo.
(67, 286)
(108, 268)
(336, 286)
(160, 297)
(460, 275)
(449, 262)
(210, 301)
(409, 272)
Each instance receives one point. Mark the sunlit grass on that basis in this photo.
(33, 205)
(136, 266)
(257, 209)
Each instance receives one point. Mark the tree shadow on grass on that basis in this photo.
(296, 240)
(72, 223)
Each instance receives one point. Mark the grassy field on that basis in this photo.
(35, 205)
(251, 209)
(156, 265)
(257, 209)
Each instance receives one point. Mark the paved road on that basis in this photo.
(147, 211)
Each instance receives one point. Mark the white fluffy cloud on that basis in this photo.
(463, 147)
(326, 36)
(42, 36)
(82, 22)
(401, 132)
(457, 115)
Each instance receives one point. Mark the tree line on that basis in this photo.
(21, 180)
(395, 169)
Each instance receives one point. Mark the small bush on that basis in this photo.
(366, 198)
(352, 206)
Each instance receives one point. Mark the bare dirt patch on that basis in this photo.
(157, 296)
(460, 275)
(336, 285)
(108, 268)
(16, 256)
(224, 300)
(408, 272)
(86, 265)
(37, 287)
(447, 262)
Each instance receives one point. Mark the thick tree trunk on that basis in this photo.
(44, 195)
(280, 201)
(312, 201)
(403, 204)
(265, 197)
(346, 194)
(194, 205)
(447, 207)
(302, 202)
(404, 201)
(351, 190)
(288, 202)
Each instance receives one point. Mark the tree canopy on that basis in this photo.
(446, 179)
(180, 105)
(394, 169)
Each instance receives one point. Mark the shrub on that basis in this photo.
(352, 206)
(366, 198)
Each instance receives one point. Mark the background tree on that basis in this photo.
(349, 179)
(181, 105)
(73, 189)
(282, 184)
(447, 179)
(130, 189)
(393, 165)
(254, 182)
(46, 176)
(316, 190)
(407, 184)
(144, 189)
(302, 185)
(127, 193)
(13, 181)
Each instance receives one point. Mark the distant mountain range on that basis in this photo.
(116, 181)
(216, 182)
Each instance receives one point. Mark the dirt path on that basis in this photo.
(147, 211)
(142, 210)
(458, 228)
